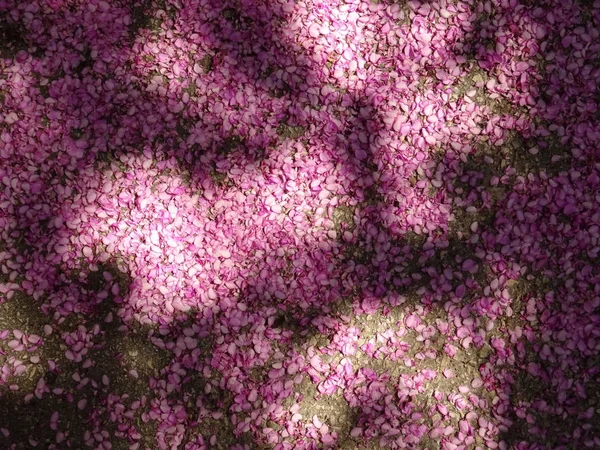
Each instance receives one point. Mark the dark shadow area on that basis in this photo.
(359, 268)
(78, 389)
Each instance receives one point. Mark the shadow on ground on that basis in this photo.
(361, 267)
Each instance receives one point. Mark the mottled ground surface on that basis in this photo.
(299, 225)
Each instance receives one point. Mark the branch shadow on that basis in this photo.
(363, 270)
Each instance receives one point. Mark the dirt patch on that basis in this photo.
(206, 62)
(142, 17)
(343, 219)
(286, 131)
(332, 410)
(12, 39)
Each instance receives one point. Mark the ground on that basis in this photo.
(321, 224)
